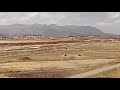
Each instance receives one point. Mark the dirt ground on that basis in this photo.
(114, 73)
(56, 57)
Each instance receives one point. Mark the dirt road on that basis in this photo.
(86, 74)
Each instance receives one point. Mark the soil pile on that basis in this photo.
(24, 59)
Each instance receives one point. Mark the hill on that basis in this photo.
(49, 30)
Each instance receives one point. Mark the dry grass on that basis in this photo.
(56, 58)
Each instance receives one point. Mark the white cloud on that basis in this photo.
(2, 14)
(104, 24)
(3, 20)
(117, 21)
(33, 14)
(104, 20)
(113, 14)
(28, 16)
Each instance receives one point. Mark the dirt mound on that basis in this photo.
(65, 54)
(79, 55)
(24, 59)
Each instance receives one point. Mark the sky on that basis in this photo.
(108, 22)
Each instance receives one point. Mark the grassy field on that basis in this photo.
(58, 58)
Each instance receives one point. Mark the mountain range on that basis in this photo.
(49, 30)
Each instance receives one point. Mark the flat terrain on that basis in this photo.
(114, 73)
(56, 57)
(93, 72)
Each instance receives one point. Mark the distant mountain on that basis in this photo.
(49, 30)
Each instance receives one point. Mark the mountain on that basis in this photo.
(49, 30)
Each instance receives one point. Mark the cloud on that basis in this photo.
(3, 20)
(114, 14)
(33, 14)
(117, 21)
(27, 17)
(44, 17)
(61, 18)
(107, 21)
(2, 14)
(104, 24)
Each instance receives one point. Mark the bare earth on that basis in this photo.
(89, 73)
(56, 57)
(114, 73)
